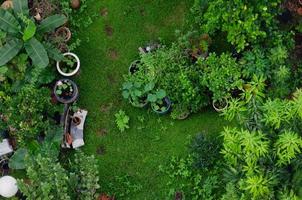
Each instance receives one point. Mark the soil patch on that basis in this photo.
(104, 12)
(101, 150)
(108, 30)
(102, 132)
(105, 108)
(113, 54)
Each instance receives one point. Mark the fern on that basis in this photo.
(288, 145)
(122, 120)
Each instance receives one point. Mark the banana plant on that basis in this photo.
(23, 33)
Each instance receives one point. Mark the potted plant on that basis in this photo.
(220, 104)
(76, 120)
(134, 66)
(70, 65)
(180, 112)
(64, 33)
(136, 93)
(160, 103)
(66, 91)
(197, 45)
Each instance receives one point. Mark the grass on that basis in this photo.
(109, 45)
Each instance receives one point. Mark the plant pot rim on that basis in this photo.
(220, 109)
(183, 115)
(142, 105)
(131, 65)
(71, 73)
(75, 93)
(64, 28)
(167, 100)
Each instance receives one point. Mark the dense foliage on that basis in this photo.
(47, 179)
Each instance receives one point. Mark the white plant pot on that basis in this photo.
(71, 73)
(220, 109)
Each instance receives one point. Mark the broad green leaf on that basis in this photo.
(29, 31)
(127, 86)
(21, 6)
(17, 160)
(149, 87)
(125, 94)
(53, 52)
(137, 84)
(152, 98)
(8, 23)
(161, 94)
(10, 50)
(51, 23)
(3, 71)
(37, 53)
(137, 93)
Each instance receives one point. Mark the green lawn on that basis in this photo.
(112, 43)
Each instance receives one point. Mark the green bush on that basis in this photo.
(221, 74)
(27, 114)
(205, 151)
(245, 22)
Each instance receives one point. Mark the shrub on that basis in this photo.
(221, 74)
(245, 22)
(205, 151)
(48, 180)
(84, 176)
(27, 114)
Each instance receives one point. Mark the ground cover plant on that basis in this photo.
(186, 99)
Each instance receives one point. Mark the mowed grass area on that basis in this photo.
(113, 39)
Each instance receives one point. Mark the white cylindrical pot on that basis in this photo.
(71, 73)
(8, 186)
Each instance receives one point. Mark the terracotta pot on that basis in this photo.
(7, 4)
(105, 197)
(75, 4)
(299, 11)
(64, 32)
(76, 121)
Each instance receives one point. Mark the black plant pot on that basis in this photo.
(142, 104)
(134, 67)
(67, 99)
(168, 106)
(285, 17)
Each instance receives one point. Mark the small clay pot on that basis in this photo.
(299, 11)
(64, 32)
(76, 121)
(7, 4)
(75, 4)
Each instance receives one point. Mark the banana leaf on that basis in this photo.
(29, 31)
(51, 23)
(8, 23)
(36, 52)
(53, 52)
(21, 6)
(17, 161)
(10, 50)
